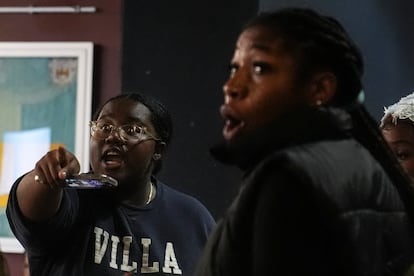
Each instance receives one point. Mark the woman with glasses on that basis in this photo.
(133, 224)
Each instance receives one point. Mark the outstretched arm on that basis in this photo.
(39, 193)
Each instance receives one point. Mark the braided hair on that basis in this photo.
(160, 118)
(317, 43)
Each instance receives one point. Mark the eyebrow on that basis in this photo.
(261, 46)
(133, 120)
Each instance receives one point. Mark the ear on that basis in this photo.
(158, 151)
(322, 89)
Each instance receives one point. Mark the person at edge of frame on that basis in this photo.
(397, 126)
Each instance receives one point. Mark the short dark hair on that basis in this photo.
(318, 43)
(160, 117)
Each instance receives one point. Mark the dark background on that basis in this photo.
(179, 52)
(383, 30)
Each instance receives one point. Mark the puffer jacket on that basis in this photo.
(313, 201)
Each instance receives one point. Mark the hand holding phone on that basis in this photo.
(91, 181)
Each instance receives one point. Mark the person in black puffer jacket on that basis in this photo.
(322, 193)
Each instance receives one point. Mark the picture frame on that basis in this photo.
(45, 102)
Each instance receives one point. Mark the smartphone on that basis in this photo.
(91, 181)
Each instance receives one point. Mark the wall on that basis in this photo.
(179, 52)
(103, 28)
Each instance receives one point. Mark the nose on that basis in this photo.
(235, 87)
(115, 136)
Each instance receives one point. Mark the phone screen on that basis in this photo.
(91, 181)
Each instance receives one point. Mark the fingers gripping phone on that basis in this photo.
(91, 181)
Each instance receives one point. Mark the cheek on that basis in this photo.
(94, 153)
(408, 165)
(408, 168)
(263, 116)
(269, 107)
(140, 155)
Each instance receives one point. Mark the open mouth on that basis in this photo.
(112, 158)
(232, 126)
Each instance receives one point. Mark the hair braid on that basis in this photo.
(321, 43)
(318, 43)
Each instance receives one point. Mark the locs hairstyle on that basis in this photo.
(317, 43)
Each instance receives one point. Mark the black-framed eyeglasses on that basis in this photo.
(130, 132)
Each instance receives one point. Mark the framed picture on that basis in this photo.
(45, 102)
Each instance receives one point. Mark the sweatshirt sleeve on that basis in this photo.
(42, 235)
